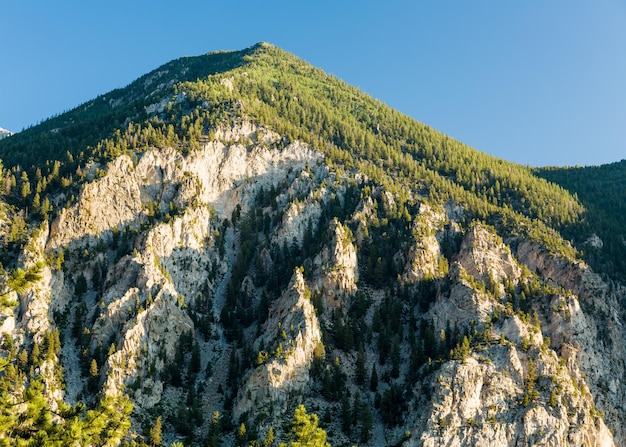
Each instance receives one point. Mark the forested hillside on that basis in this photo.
(602, 191)
(238, 249)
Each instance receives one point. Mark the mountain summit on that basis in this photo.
(238, 249)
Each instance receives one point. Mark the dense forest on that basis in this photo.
(602, 191)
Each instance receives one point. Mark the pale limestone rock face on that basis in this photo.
(463, 305)
(35, 304)
(424, 256)
(63, 293)
(228, 83)
(152, 337)
(335, 267)
(295, 221)
(215, 175)
(586, 328)
(111, 321)
(476, 403)
(5, 133)
(118, 193)
(54, 392)
(158, 107)
(595, 242)
(483, 254)
(164, 320)
(34, 319)
(516, 331)
(343, 257)
(141, 308)
(301, 214)
(8, 321)
(292, 323)
(361, 216)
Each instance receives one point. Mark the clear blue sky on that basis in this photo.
(537, 82)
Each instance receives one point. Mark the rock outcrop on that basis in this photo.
(289, 339)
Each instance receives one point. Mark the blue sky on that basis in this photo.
(537, 82)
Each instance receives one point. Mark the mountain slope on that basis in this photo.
(601, 190)
(65, 136)
(248, 234)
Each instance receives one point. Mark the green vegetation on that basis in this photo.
(305, 431)
(601, 190)
(38, 424)
(20, 281)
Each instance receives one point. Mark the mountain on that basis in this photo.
(601, 234)
(5, 133)
(238, 249)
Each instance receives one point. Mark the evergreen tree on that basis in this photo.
(195, 362)
(242, 434)
(269, 439)
(305, 431)
(81, 285)
(374, 379)
(25, 188)
(93, 368)
(94, 378)
(360, 371)
(395, 358)
(346, 414)
(155, 436)
(367, 424)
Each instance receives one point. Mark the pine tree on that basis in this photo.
(195, 362)
(93, 368)
(395, 357)
(346, 415)
(360, 371)
(305, 431)
(81, 285)
(25, 188)
(465, 348)
(242, 434)
(367, 424)
(213, 439)
(374, 379)
(156, 433)
(357, 405)
(269, 439)
(34, 355)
